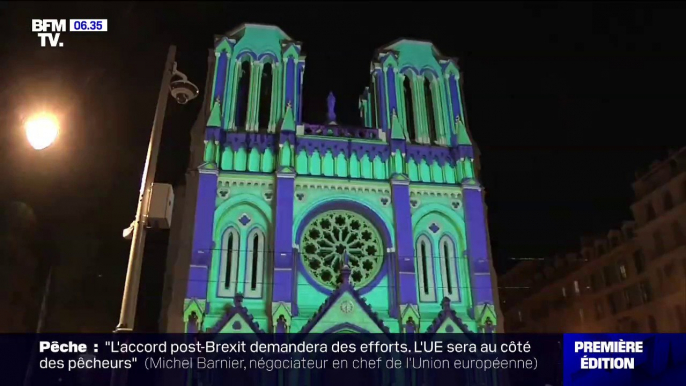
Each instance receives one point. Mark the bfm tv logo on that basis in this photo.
(54, 26)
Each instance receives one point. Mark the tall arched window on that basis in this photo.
(228, 269)
(242, 105)
(430, 118)
(255, 264)
(265, 96)
(427, 290)
(409, 109)
(449, 269)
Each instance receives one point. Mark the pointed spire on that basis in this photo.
(397, 131)
(462, 136)
(288, 123)
(215, 115)
(238, 300)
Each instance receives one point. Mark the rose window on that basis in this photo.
(330, 236)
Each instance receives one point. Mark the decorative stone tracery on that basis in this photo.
(333, 234)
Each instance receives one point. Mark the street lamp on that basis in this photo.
(183, 91)
(42, 130)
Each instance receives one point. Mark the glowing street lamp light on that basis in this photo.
(42, 131)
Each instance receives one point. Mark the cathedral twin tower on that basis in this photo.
(308, 228)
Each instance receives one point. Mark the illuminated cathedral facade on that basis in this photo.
(309, 228)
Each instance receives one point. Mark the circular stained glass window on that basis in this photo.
(331, 235)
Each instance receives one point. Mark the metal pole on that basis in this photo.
(39, 328)
(133, 273)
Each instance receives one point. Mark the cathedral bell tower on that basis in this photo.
(258, 76)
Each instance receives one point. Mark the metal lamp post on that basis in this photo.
(183, 91)
(42, 131)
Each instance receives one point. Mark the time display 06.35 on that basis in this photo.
(87, 25)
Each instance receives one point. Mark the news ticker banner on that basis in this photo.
(345, 359)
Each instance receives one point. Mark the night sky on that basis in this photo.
(565, 100)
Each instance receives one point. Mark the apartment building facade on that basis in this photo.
(631, 280)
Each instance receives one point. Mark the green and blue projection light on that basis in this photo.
(309, 228)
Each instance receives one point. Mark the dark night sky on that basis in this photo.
(566, 102)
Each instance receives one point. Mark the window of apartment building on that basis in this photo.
(681, 317)
(639, 261)
(659, 243)
(601, 249)
(581, 314)
(576, 287)
(669, 269)
(660, 278)
(540, 312)
(612, 301)
(610, 274)
(599, 309)
(626, 294)
(622, 269)
(564, 292)
(614, 241)
(678, 233)
(519, 315)
(650, 211)
(652, 324)
(597, 282)
(633, 327)
(646, 291)
(588, 285)
(667, 201)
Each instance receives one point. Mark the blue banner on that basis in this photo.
(343, 359)
(624, 359)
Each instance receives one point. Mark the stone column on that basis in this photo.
(477, 244)
(407, 284)
(203, 245)
(283, 236)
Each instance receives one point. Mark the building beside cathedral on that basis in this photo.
(287, 226)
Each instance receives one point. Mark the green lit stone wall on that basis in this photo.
(336, 171)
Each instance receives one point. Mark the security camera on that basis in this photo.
(181, 88)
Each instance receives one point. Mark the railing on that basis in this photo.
(341, 131)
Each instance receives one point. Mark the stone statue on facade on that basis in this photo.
(331, 114)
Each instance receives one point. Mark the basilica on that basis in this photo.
(296, 227)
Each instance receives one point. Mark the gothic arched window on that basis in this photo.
(255, 264)
(449, 269)
(242, 95)
(265, 96)
(427, 290)
(228, 270)
(430, 118)
(409, 109)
